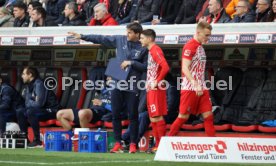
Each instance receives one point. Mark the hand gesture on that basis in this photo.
(75, 35)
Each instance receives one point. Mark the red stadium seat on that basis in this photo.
(95, 125)
(224, 127)
(250, 128)
(199, 126)
(266, 129)
(59, 124)
(50, 122)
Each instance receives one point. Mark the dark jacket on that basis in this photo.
(10, 99)
(125, 15)
(22, 23)
(145, 10)
(188, 11)
(78, 20)
(46, 23)
(86, 10)
(37, 96)
(222, 17)
(126, 50)
(169, 10)
(263, 17)
(55, 10)
(124, 9)
(247, 17)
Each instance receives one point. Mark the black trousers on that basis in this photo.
(33, 116)
(121, 100)
(6, 116)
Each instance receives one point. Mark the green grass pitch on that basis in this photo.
(30, 157)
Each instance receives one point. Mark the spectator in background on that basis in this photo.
(188, 11)
(55, 10)
(40, 104)
(272, 13)
(20, 14)
(114, 4)
(263, 8)
(85, 8)
(72, 16)
(217, 13)
(102, 17)
(126, 10)
(6, 19)
(168, 12)
(231, 7)
(243, 12)
(31, 6)
(205, 11)
(39, 18)
(145, 11)
(10, 102)
(106, 2)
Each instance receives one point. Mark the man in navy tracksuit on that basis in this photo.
(10, 101)
(131, 54)
(40, 103)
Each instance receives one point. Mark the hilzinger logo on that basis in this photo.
(219, 147)
(255, 147)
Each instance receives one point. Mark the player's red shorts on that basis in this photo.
(157, 103)
(190, 103)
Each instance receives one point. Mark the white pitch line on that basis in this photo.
(75, 163)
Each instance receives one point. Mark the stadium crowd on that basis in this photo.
(35, 13)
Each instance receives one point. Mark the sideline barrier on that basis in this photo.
(217, 149)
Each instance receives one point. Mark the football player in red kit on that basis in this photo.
(156, 90)
(195, 98)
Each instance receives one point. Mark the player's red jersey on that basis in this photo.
(194, 51)
(157, 70)
(156, 61)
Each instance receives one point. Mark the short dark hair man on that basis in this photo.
(40, 103)
(156, 94)
(72, 16)
(20, 14)
(38, 16)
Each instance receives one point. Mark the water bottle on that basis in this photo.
(99, 130)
